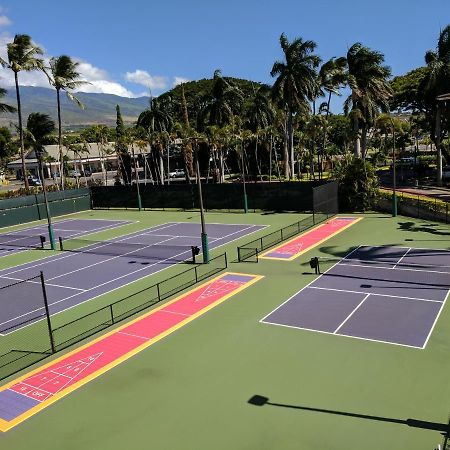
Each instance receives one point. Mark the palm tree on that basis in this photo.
(64, 77)
(260, 114)
(435, 84)
(158, 122)
(370, 91)
(22, 56)
(223, 103)
(295, 84)
(39, 128)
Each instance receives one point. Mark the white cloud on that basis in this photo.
(4, 21)
(143, 78)
(179, 80)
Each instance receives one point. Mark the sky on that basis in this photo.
(138, 45)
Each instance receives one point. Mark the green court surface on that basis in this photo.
(189, 391)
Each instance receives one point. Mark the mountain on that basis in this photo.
(99, 108)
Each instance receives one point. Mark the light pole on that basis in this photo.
(39, 154)
(204, 236)
(394, 173)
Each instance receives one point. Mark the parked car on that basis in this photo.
(33, 181)
(446, 173)
(74, 173)
(177, 173)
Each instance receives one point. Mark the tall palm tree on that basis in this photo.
(370, 91)
(223, 103)
(435, 84)
(157, 122)
(39, 128)
(22, 56)
(295, 84)
(64, 76)
(260, 115)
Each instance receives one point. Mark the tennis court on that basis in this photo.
(92, 268)
(388, 294)
(37, 236)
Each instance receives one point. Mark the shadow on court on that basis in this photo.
(426, 228)
(259, 400)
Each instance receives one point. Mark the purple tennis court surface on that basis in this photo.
(20, 240)
(386, 294)
(74, 278)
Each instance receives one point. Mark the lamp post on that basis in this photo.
(204, 236)
(39, 154)
(394, 173)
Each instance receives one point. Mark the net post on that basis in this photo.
(61, 246)
(42, 238)
(47, 313)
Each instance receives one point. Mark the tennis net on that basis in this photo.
(150, 252)
(23, 241)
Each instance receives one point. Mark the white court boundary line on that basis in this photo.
(258, 228)
(443, 302)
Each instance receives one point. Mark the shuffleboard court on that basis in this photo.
(26, 238)
(387, 294)
(306, 241)
(31, 393)
(98, 268)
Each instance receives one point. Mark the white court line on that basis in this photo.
(343, 335)
(380, 295)
(390, 268)
(133, 335)
(174, 312)
(119, 287)
(351, 314)
(34, 387)
(53, 257)
(38, 282)
(113, 258)
(400, 260)
(303, 288)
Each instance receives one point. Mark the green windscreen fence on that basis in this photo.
(288, 196)
(28, 208)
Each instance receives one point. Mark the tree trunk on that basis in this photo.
(61, 160)
(364, 141)
(291, 143)
(438, 145)
(22, 145)
(357, 145)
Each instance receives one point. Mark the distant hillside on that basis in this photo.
(99, 108)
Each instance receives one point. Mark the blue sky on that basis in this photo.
(125, 48)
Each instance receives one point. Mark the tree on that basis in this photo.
(435, 84)
(370, 91)
(407, 92)
(64, 77)
(223, 103)
(295, 84)
(39, 127)
(22, 56)
(6, 144)
(122, 148)
(3, 106)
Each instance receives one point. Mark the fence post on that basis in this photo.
(281, 234)
(226, 259)
(418, 206)
(112, 313)
(47, 313)
(196, 276)
(435, 208)
(446, 212)
(159, 295)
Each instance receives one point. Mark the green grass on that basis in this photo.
(190, 390)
